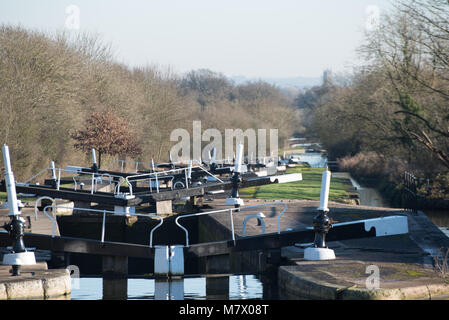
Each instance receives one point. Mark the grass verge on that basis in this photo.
(307, 189)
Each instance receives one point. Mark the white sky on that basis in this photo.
(253, 38)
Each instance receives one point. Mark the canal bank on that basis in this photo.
(367, 196)
(404, 262)
(371, 196)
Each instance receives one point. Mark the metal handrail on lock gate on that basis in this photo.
(231, 211)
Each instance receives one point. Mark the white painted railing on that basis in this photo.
(230, 211)
(94, 177)
(259, 218)
(161, 175)
(53, 206)
(149, 164)
(37, 175)
(104, 212)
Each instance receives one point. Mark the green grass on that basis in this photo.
(414, 273)
(307, 189)
(4, 198)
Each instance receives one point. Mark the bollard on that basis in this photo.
(19, 255)
(321, 225)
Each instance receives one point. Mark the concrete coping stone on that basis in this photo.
(313, 286)
(38, 283)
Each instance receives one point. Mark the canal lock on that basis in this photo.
(217, 270)
(137, 229)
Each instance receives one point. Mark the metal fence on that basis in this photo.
(411, 194)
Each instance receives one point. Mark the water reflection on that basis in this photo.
(165, 289)
(371, 197)
(315, 160)
(115, 289)
(242, 286)
(438, 217)
(217, 288)
(212, 287)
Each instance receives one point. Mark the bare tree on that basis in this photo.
(411, 47)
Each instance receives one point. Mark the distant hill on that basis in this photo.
(295, 82)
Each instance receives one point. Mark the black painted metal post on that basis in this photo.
(415, 194)
(54, 182)
(236, 182)
(213, 167)
(321, 226)
(17, 225)
(213, 160)
(236, 179)
(95, 166)
(16, 231)
(172, 165)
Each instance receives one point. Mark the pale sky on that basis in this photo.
(252, 38)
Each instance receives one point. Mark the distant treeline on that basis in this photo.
(51, 84)
(392, 114)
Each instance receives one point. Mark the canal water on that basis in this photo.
(440, 218)
(231, 287)
(371, 197)
(368, 196)
(314, 159)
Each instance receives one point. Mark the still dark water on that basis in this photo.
(440, 218)
(371, 197)
(232, 287)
